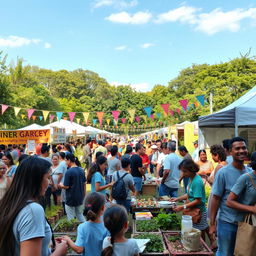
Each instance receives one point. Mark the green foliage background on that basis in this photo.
(85, 91)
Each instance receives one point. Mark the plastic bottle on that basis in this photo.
(186, 224)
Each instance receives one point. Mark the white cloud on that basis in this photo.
(126, 18)
(217, 20)
(121, 48)
(119, 4)
(185, 14)
(140, 87)
(47, 45)
(146, 45)
(16, 41)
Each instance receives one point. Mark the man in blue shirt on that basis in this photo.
(223, 183)
(170, 182)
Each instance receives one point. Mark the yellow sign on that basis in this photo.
(22, 136)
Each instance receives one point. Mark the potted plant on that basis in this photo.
(175, 247)
(142, 226)
(168, 221)
(155, 247)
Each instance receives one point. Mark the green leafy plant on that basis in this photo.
(154, 245)
(66, 225)
(167, 221)
(174, 238)
(53, 211)
(146, 225)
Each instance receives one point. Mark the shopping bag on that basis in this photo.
(246, 238)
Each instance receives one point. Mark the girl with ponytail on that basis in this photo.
(116, 221)
(90, 234)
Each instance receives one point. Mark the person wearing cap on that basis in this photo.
(170, 182)
(195, 154)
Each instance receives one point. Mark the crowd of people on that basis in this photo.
(116, 171)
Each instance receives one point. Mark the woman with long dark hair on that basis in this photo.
(96, 176)
(23, 227)
(11, 167)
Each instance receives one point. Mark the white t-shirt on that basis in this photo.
(127, 248)
(161, 158)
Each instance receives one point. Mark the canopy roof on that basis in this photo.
(69, 126)
(241, 112)
(33, 127)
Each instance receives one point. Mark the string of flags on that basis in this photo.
(100, 115)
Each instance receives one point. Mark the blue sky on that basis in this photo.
(137, 42)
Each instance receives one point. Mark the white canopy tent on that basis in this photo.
(237, 119)
(70, 127)
(32, 127)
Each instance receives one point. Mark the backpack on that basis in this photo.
(118, 189)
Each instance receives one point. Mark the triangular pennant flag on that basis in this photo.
(4, 107)
(115, 122)
(123, 120)
(94, 121)
(78, 120)
(148, 111)
(131, 120)
(184, 104)
(178, 111)
(196, 104)
(30, 112)
(158, 115)
(23, 116)
(40, 118)
(192, 105)
(116, 114)
(108, 121)
(100, 117)
(71, 116)
(86, 116)
(152, 117)
(65, 118)
(144, 117)
(34, 118)
(137, 118)
(52, 117)
(59, 115)
(165, 108)
(131, 113)
(16, 110)
(45, 114)
(200, 98)
(171, 112)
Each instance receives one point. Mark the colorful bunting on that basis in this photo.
(4, 107)
(171, 112)
(41, 118)
(52, 118)
(108, 121)
(23, 116)
(144, 117)
(71, 116)
(100, 117)
(132, 114)
(45, 114)
(131, 120)
(165, 108)
(94, 121)
(152, 117)
(200, 98)
(16, 110)
(137, 118)
(123, 120)
(116, 114)
(196, 104)
(178, 111)
(30, 112)
(65, 118)
(158, 115)
(148, 111)
(34, 118)
(184, 104)
(59, 115)
(78, 120)
(86, 116)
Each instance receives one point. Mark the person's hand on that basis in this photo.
(64, 238)
(173, 199)
(254, 209)
(61, 247)
(111, 183)
(178, 208)
(212, 229)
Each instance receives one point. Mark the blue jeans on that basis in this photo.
(137, 183)
(126, 203)
(166, 191)
(226, 238)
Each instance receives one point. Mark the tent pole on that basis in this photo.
(236, 130)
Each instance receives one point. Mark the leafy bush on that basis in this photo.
(169, 221)
(146, 225)
(53, 211)
(66, 225)
(154, 245)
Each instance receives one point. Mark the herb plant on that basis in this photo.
(154, 245)
(146, 225)
(167, 221)
(65, 225)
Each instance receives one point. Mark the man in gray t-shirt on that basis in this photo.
(225, 179)
(128, 181)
